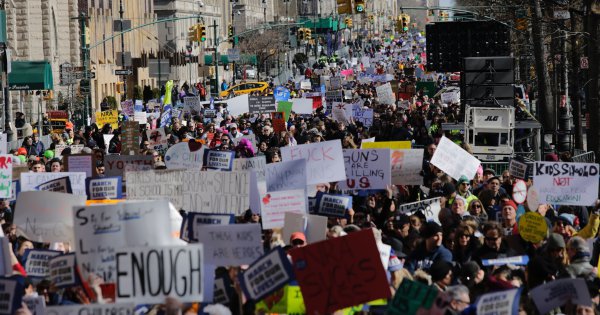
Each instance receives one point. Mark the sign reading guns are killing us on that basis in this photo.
(566, 183)
(453, 160)
(116, 308)
(147, 275)
(366, 169)
(324, 161)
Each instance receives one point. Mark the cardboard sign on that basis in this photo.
(430, 208)
(320, 268)
(193, 220)
(230, 245)
(363, 115)
(101, 230)
(414, 297)
(30, 181)
(257, 164)
(266, 275)
(11, 293)
(191, 103)
(385, 94)
(517, 169)
(130, 138)
(108, 117)
(406, 167)
(286, 108)
(115, 164)
(37, 262)
(386, 145)
(558, 292)
(5, 260)
(219, 160)
(324, 160)
(286, 175)
(566, 183)
(180, 156)
(80, 163)
(46, 216)
(61, 185)
(147, 275)
(158, 139)
(113, 308)
(261, 104)
(303, 106)
(36, 304)
(274, 205)
(63, 271)
(278, 122)
(6, 169)
(366, 169)
(515, 260)
(104, 188)
(334, 206)
(453, 160)
(533, 227)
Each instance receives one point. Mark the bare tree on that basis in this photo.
(266, 46)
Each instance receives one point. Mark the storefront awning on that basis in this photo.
(30, 75)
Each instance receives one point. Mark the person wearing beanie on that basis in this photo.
(463, 189)
(509, 217)
(579, 258)
(441, 274)
(430, 250)
(563, 225)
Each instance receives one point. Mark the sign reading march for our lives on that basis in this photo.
(430, 208)
(286, 175)
(147, 275)
(63, 271)
(61, 185)
(6, 166)
(566, 183)
(219, 160)
(104, 188)
(453, 160)
(193, 220)
(324, 161)
(557, 293)
(112, 308)
(11, 293)
(406, 167)
(502, 302)
(37, 262)
(334, 205)
(180, 156)
(230, 245)
(30, 181)
(366, 169)
(515, 260)
(266, 275)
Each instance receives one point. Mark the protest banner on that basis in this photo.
(363, 115)
(257, 164)
(502, 302)
(180, 156)
(101, 230)
(61, 185)
(278, 122)
(5, 259)
(238, 105)
(127, 108)
(453, 160)
(366, 169)
(130, 138)
(413, 297)
(29, 181)
(555, 293)
(517, 169)
(274, 205)
(566, 183)
(104, 188)
(79, 163)
(406, 167)
(322, 266)
(193, 220)
(324, 160)
(115, 164)
(218, 160)
(533, 227)
(386, 145)
(192, 103)
(11, 295)
(303, 106)
(158, 139)
(333, 205)
(430, 208)
(261, 104)
(110, 117)
(45, 216)
(35, 304)
(266, 275)
(385, 94)
(37, 262)
(230, 245)
(515, 260)
(287, 175)
(63, 271)
(147, 275)
(6, 175)
(81, 309)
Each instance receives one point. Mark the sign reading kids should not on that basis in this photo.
(566, 183)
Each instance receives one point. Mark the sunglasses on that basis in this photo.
(477, 206)
(489, 238)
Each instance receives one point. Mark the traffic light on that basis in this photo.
(372, 18)
(202, 35)
(348, 22)
(230, 31)
(301, 34)
(359, 6)
(192, 33)
(405, 19)
(308, 34)
(120, 87)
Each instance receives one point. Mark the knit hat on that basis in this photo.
(555, 241)
(430, 229)
(489, 171)
(469, 271)
(566, 218)
(462, 179)
(509, 203)
(448, 189)
(439, 270)
(394, 264)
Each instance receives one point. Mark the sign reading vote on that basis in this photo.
(566, 183)
(266, 275)
(324, 161)
(147, 275)
(262, 104)
(230, 245)
(366, 169)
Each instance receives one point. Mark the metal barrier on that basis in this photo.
(498, 167)
(588, 157)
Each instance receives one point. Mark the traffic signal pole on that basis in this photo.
(216, 61)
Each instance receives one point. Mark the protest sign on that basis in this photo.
(553, 294)
(338, 113)
(257, 164)
(115, 164)
(35, 304)
(451, 97)
(406, 167)
(502, 302)
(278, 121)
(11, 295)
(63, 271)
(210, 113)
(191, 103)
(140, 117)
(108, 117)
(566, 183)
(533, 227)
(37, 262)
(322, 266)
(281, 93)
(100, 230)
(3, 143)
(363, 115)
(158, 139)
(453, 160)
(265, 275)
(194, 219)
(147, 275)
(222, 290)
(127, 108)
(430, 208)
(104, 188)
(30, 181)
(413, 297)
(261, 104)
(79, 163)
(59, 148)
(519, 192)
(274, 205)
(366, 169)
(156, 185)
(5, 259)
(6, 175)
(385, 94)
(180, 156)
(515, 260)
(292, 222)
(112, 308)
(316, 228)
(303, 106)
(286, 108)
(333, 205)
(251, 137)
(324, 160)
(517, 169)
(238, 105)
(286, 175)
(218, 160)
(45, 216)
(386, 145)
(230, 245)
(61, 185)
(130, 138)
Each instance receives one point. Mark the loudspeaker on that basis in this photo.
(482, 78)
(489, 91)
(486, 63)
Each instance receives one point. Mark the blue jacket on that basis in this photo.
(421, 259)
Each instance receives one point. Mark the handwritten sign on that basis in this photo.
(231, 245)
(191, 103)
(63, 270)
(110, 117)
(366, 169)
(80, 163)
(37, 262)
(430, 208)
(334, 206)
(149, 274)
(321, 267)
(113, 308)
(385, 94)
(363, 115)
(557, 293)
(158, 139)
(566, 183)
(324, 160)
(115, 164)
(61, 185)
(274, 205)
(533, 227)
(180, 156)
(453, 160)
(257, 164)
(219, 160)
(194, 220)
(30, 181)
(407, 166)
(11, 293)
(286, 175)
(6, 169)
(130, 138)
(266, 275)
(517, 169)
(104, 188)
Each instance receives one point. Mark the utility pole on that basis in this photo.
(546, 107)
(121, 12)
(216, 41)
(593, 88)
(84, 85)
(4, 76)
(233, 39)
(575, 80)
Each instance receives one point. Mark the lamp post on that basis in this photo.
(121, 12)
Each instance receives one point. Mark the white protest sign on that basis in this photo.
(80, 163)
(45, 216)
(451, 97)
(5, 259)
(194, 220)
(191, 103)
(218, 160)
(147, 275)
(257, 164)
(366, 169)
(266, 275)
(517, 169)
(430, 208)
(556, 293)
(115, 165)
(305, 85)
(6, 166)
(453, 160)
(566, 183)
(384, 253)
(63, 270)
(113, 308)
(407, 166)
(292, 222)
(101, 230)
(333, 205)
(238, 105)
(230, 245)
(324, 160)
(274, 205)
(37, 262)
(303, 106)
(36, 304)
(157, 138)
(316, 228)
(62, 185)
(287, 175)
(251, 137)
(502, 302)
(3, 143)
(179, 156)
(385, 94)
(11, 297)
(29, 181)
(339, 114)
(105, 188)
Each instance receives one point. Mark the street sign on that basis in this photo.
(562, 15)
(123, 72)
(92, 75)
(233, 54)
